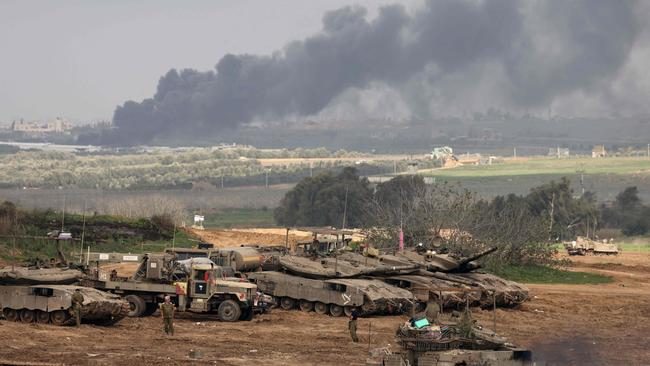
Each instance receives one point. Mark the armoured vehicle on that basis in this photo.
(452, 342)
(583, 246)
(333, 296)
(44, 295)
(194, 284)
(51, 304)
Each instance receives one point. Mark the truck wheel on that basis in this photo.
(336, 310)
(137, 306)
(151, 308)
(306, 306)
(229, 311)
(246, 315)
(27, 316)
(320, 308)
(287, 303)
(10, 314)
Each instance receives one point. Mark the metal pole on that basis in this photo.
(494, 311)
(174, 237)
(83, 232)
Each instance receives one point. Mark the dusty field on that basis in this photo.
(562, 324)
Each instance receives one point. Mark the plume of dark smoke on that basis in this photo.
(545, 49)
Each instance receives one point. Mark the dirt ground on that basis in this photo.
(561, 324)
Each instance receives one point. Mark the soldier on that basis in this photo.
(432, 311)
(352, 325)
(77, 303)
(167, 312)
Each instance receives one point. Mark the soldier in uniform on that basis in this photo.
(167, 312)
(432, 311)
(77, 303)
(352, 325)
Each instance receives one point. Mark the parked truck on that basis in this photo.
(195, 285)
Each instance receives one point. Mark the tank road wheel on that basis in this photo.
(136, 304)
(59, 317)
(320, 308)
(336, 310)
(27, 316)
(229, 311)
(10, 314)
(348, 310)
(287, 303)
(306, 306)
(276, 302)
(42, 317)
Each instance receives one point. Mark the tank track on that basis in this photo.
(117, 315)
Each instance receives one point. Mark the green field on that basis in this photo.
(239, 217)
(605, 176)
(634, 247)
(549, 275)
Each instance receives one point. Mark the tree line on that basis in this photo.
(449, 217)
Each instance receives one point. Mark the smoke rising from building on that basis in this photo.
(447, 57)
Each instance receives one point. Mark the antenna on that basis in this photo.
(83, 232)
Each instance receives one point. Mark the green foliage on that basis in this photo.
(171, 170)
(322, 201)
(627, 213)
(549, 275)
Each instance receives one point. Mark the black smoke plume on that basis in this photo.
(544, 49)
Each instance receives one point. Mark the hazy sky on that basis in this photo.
(429, 58)
(80, 59)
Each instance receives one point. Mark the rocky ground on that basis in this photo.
(562, 324)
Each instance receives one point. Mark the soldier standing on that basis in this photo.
(352, 325)
(167, 312)
(77, 303)
(432, 311)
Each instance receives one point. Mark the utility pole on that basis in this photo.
(345, 208)
(266, 179)
(222, 181)
(63, 215)
(311, 168)
(648, 150)
(514, 152)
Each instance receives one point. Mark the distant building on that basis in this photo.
(559, 152)
(58, 125)
(598, 151)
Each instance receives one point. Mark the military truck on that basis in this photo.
(583, 246)
(333, 296)
(51, 304)
(194, 284)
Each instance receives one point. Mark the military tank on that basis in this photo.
(335, 296)
(451, 341)
(444, 273)
(44, 295)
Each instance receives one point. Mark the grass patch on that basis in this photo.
(550, 275)
(635, 247)
(240, 217)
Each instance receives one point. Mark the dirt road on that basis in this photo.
(562, 324)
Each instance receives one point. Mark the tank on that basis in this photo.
(46, 303)
(335, 296)
(450, 342)
(15, 275)
(329, 267)
(447, 293)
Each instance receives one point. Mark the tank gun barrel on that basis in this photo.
(476, 256)
(390, 270)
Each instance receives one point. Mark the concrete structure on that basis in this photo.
(58, 125)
